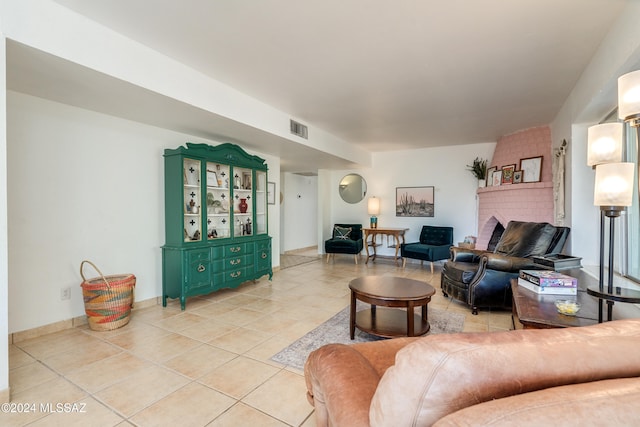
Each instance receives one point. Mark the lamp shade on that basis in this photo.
(373, 206)
(614, 184)
(629, 96)
(604, 143)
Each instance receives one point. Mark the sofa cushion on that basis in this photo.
(525, 239)
(495, 237)
(438, 375)
(598, 403)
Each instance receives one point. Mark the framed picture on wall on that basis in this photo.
(507, 174)
(490, 172)
(496, 178)
(531, 168)
(517, 177)
(415, 201)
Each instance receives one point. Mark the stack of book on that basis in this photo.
(548, 282)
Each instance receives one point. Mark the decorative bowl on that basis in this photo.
(567, 307)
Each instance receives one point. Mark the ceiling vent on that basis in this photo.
(299, 129)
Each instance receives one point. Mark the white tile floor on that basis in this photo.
(206, 366)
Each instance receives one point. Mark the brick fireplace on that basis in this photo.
(521, 202)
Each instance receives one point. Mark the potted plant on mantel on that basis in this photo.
(479, 169)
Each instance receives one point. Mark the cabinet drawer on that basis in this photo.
(236, 274)
(236, 262)
(235, 250)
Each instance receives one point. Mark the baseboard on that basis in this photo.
(5, 396)
(296, 251)
(62, 325)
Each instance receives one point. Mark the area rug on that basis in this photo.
(336, 330)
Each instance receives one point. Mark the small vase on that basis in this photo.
(482, 183)
(243, 205)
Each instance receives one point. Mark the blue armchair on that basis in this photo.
(346, 239)
(434, 245)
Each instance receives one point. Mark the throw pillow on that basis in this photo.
(342, 232)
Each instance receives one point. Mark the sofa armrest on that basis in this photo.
(341, 379)
(340, 385)
(459, 254)
(507, 263)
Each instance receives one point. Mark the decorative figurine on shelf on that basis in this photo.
(247, 226)
(191, 205)
(243, 206)
(236, 182)
(196, 235)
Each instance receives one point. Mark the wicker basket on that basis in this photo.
(107, 299)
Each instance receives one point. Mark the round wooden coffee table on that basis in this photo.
(395, 292)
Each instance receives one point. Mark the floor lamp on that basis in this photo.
(614, 183)
(613, 191)
(604, 145)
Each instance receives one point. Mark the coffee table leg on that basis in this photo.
(410, 326)
(352, 317)
(424, 313)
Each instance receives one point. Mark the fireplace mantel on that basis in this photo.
(515, 187)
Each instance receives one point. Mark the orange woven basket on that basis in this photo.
(108, 300)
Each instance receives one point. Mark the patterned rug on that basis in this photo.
(336, 330)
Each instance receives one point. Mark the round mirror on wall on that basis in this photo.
(352, 188)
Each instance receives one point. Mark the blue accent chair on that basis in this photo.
(434, 245)
(346, 239)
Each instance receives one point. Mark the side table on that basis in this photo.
(536, 311)
(397, 233)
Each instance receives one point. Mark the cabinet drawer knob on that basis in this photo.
(264, 255)
(236, 249)
(201, 268)
(236, 274)
(236, 261)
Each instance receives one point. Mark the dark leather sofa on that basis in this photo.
(482, 279)
(434, 245)
(345, 242)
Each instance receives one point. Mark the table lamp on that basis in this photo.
(373, 208)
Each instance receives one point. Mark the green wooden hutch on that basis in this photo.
(216, 228)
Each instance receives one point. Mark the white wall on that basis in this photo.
(593, 97)
(299, 211)
(83, 185)
(441, 167)
(52, 28)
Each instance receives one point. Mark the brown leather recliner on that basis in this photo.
(482, 279)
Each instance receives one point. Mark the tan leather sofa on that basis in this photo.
(570, 377)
